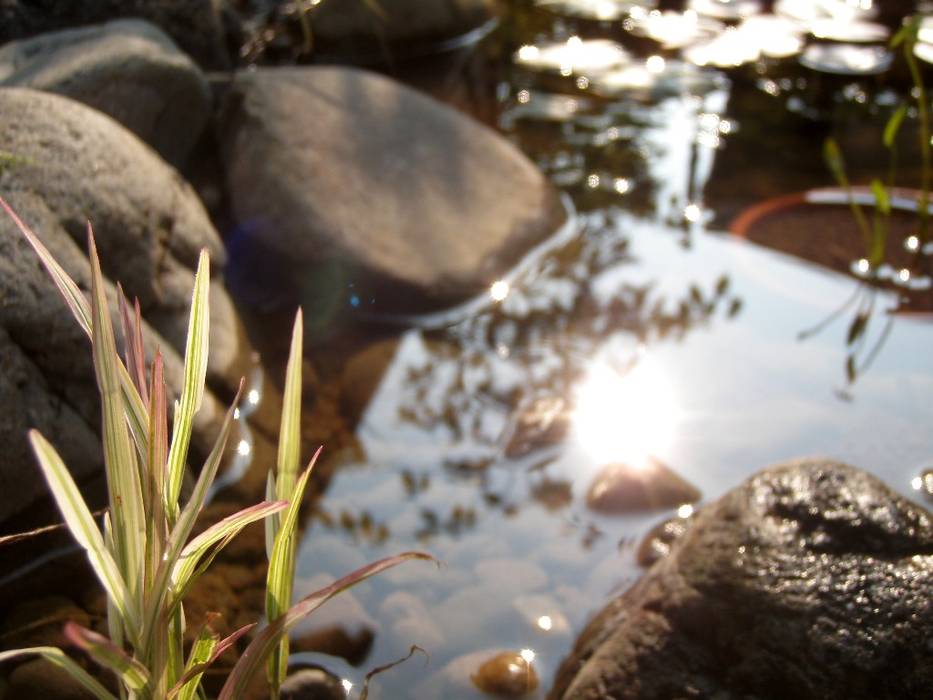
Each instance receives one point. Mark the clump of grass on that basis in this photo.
(144, 556)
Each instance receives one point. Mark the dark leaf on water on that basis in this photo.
(857, 327)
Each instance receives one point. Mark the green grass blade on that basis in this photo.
(281, 574)
(83, 528)
(894, 126)
(193, 390)
(205, 651)
(123, 483)
(184, 526)
(272, 522)
(224, 530)
(130, 671)
(254, 658)
(290, 428)
(57, 657)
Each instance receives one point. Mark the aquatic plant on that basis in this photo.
(144, 556)
(875, 235)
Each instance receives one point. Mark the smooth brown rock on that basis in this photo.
(810, 580)
(621, 488)
(127, 69)
(507, 675)
(353, 194)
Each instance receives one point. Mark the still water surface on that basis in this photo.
(647, 330)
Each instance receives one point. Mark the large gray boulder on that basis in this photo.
(127, 69)
(353, 192)
(205, 29)
(46, 370)
(150, 225)
(810, 580)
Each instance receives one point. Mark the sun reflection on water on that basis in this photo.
(625, 416)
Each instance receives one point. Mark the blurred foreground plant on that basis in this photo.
(145, 557)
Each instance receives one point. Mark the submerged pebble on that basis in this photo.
(508, 674)
(623, 488)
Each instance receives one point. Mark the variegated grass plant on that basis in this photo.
(144, 556)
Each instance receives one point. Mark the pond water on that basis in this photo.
(643, 330)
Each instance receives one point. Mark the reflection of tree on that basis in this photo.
(524, 356)
(861, 351)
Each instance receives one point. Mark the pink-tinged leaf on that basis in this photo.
(134, 354)
(194, 671)
(266, 641)
(364, 693)
(130, 671)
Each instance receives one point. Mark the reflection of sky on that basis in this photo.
(745, 394)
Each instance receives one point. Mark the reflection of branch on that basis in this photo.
(864, 296)
(822, 325)
(882, 339)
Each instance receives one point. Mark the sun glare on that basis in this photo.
(625, 417)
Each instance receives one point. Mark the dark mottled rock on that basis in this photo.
(656, 544)
(149, 224)
(127, 69)
(205, 29)
(37, 678)
(622, 488)
(354, 194)
(39, 622)
(507, 674)
(312, 684)
(926, 484)
(397, 27)
(810, 580)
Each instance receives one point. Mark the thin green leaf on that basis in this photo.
(272, 522)
(833, 157)
(200, 659)
(225, 529)
(196, 352)
(267, 640)
(57, 657)
(123, 482)
(130, 671)
(281, 574)
(894, 126)
(857, 327)
(290, 429)
(83, 529)
(880, 192)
